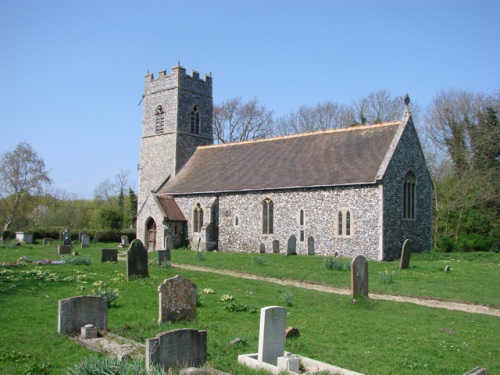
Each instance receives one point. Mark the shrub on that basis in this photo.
(287, 298)
(108, 293)
(386, 277)
(77, 260)
(334, 264)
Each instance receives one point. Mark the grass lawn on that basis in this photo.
(372, 337)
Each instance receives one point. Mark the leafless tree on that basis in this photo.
(105, 190)
(376, 108)
(22, 172)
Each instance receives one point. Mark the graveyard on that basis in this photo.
(369, 336)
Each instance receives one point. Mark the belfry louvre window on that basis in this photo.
(195, 120)
(409, 196)
(197, 218)
(159, 120)
(267, 216)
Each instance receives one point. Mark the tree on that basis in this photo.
(22, 172)
(376, 108)
(235, 121)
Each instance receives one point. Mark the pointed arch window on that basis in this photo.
(409, 196)
(197, 218)
(159, 120)
(267, 216)
(339, 223)
(344, 225)
(195, 120)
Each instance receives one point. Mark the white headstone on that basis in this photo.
(272, 334)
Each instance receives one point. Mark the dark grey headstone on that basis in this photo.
(163, 255)
(262, 248)
(96, 237)
(310, 245)
(76, 312)
(137, 260)
(359, 276)
(66, 237)
(177, 349)
(109, 255)
(177, 297)
(291, 248)
(404, 263)
(64, 249)
(276, 247)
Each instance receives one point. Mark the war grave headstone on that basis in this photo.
(76, 312)
(272, 334)
(64, 249)
(291, 248)
(176, 349)
(359, 276)
(262, 248)
(109, 255)
(177, 300)
(163, 256)
(276, 247)
(137, 260)
(404, 263)
(310, 245)
(66, 237)
(169, 242)
(85, 242)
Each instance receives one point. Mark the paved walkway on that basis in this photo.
(474, 309)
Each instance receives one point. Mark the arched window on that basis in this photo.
(302, 235)
(236, 221)
(267, 216)
(195, 120)
(339, 224)
(301, 218)
(344, 223)
(347, 223)
(197, 218)
(159, 120)
(409, 196)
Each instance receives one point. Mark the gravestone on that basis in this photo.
(67, 237)
(169, 242)
(272, 334)
(137, 260)
(124, 241)
(80, 235)
(177, 349)
(359, 276)
(310, 245)
(74, 313)
(404, 263)
(163, 256)
(177, 297)
(276, 247)
(64, 249)
(109, 255)
(85, 241)
(262, 248)
(291, 248)
(96, 237)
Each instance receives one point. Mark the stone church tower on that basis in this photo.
(177, 118)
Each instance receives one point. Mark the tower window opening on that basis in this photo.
(195, 120)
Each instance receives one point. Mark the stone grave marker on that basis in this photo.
(163, 256)
(64, 249)
(109, 255)
(359, 276)
(310, 245)
(477, 371)
(137, 260)
(96, 237)
(80, 234)
(67, 237)
(124, 241)
(85, 241)
(262, 248)
(177, 349)
(272, 334)
(169, 242)
(74, 313)
(404, 263)
(177, 300)
(276, 247)
(291, 248)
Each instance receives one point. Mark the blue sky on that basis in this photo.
(72, 72)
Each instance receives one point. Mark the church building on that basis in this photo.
(358, 190)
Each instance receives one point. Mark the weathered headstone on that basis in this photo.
(262, 248)
(64, 249)
(76, 312)
(272, 334)
(169, 242)
(291, 248)
(85, 242)
(137, 260)
(67, 237)
(359, 276)
(124, 241)
(177, 297)
(96, 237)
(176, 349)
(310, 245)
(109, 255)
(477, 371)
(276, 247)
(163, 256)
(404, 263)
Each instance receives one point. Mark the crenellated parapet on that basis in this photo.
(178, 78)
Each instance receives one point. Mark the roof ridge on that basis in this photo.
(297, 135)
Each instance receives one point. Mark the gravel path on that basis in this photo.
(474, 309)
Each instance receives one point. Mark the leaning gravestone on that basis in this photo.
(76, 312)
(405, 255)
(169, 242)
(85, 241)
(276, 247)
(359, 276)
(310, 245)
(291, 248)
(163, 256)
(109, 255)
(177, 300)
(177, 349)
(262, 248)
(137, 260)
(272, 334)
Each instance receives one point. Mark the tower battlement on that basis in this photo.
(180, 73)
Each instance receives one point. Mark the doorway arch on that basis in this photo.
(151, 234)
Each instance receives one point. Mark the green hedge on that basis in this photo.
(104, 235)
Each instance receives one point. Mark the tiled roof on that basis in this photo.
(328, 158)
(171, 209)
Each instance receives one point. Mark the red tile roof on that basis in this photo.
(171, 209)
(328, 158)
